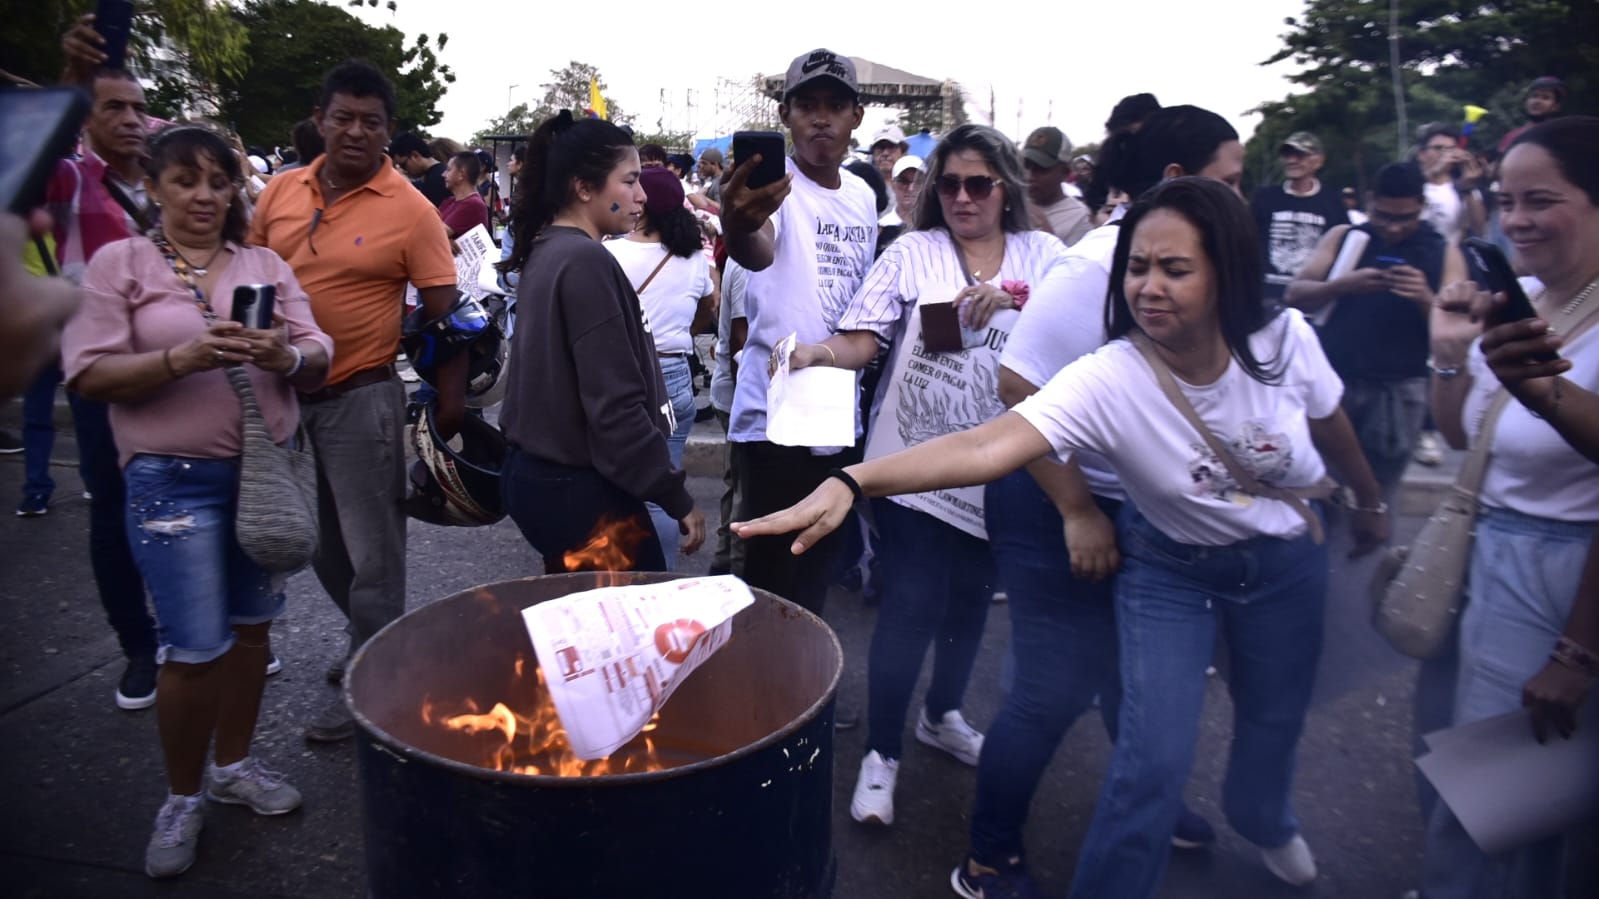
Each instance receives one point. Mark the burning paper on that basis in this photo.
(612, 656)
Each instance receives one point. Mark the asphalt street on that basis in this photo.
(83, 780)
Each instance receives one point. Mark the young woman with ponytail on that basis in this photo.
(586, 412)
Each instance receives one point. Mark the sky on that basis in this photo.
(1045, 62)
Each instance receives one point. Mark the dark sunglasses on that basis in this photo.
(978, 187)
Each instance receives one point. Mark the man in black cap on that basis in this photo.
(806, 240)
(1293, 216)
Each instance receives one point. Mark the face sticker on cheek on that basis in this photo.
(615, 206)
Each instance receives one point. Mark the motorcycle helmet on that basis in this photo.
(456, 484)
(470, 326)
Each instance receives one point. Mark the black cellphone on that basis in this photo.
(114, 20)
(37, 129)
(770, 146)
(1492, 270)
(252, 305)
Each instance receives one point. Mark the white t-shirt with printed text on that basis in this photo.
(1110, 402)
(823, 243)
(923, 395)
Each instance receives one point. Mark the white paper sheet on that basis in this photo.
(612, 657)
(813, 406)
(1506, 789)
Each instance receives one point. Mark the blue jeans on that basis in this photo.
(1524, 574)
(115, 573)
(1267, 595)
(938, 582)
(680, 390)
(180, 525)
(39, 434)
(1063, 640)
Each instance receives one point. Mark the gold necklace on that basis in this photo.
(1582, 297)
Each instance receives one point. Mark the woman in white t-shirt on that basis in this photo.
(973, 247)
(1199, 553)
(1524, 638)
(663, 262)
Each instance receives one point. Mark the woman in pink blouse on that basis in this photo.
(152, 339)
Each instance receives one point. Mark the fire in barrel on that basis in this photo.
(469, 786)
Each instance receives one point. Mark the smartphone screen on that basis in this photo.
(770, 145)
(114, 20)
(37, 128)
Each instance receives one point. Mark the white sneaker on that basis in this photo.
(1429, 449)
(874, 790)
(1291, 862)
(951, 734)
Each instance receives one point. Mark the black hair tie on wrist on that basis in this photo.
(853, 485)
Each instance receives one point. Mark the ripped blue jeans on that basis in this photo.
(180, 527)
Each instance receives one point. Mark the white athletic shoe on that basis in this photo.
(874, 790)
(951, 734)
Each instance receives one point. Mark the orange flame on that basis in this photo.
(534, 742)
(611, 547)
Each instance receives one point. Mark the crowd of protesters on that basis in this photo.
(1310, 332)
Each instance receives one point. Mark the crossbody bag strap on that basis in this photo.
(139, 214)
(658, 266)
(1240, 474)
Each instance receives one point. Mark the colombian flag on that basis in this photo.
(597, 102)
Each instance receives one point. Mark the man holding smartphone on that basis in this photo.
(95, 200)
(806, 240)
(1376, 337)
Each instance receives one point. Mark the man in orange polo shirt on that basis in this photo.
(355, 231)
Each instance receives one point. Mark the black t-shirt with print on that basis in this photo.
(1290, 228)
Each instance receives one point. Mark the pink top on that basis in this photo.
(133, 303)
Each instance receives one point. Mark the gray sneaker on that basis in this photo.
(263, 790)
(176, 838)
(333, 724)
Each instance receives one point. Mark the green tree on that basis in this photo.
(182, 45)
(568, 88)
(519, 120)
(1483, 53)
(295, 43)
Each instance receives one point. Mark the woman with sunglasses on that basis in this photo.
(152, 339)
(587, 413)
(971, 246)
(1063, 624)
(1199, 553)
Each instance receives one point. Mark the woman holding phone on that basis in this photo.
(587, 413)
(1540, 495)
(152, 339)
(972, 256)
(1199, 553)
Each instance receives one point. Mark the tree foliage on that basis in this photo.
(519, 120)
(1451, 54)
(295, 42)
(184, 44)
(568, 88)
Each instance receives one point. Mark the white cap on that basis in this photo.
(905, 163)
(259, 163)
(892, 134)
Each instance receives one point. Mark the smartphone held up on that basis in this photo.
(253, 305)
(770, 146)
(113, 19)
